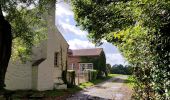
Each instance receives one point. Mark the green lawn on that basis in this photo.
(94, 82)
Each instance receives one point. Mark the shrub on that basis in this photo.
(71, 78)
(94, 74)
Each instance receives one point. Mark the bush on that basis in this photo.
(71, 78)
(94, 74)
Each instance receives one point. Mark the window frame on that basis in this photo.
(56, 59)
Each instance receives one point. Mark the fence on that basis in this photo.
(83, 76)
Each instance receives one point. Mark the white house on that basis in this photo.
(49, 59)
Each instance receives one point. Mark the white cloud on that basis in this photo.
(72, 29)
(77, 39)
(104, 41)
(63, 8)
(65, 21)
(80, 44)
(115, 58)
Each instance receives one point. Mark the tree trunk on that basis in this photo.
(5, 47)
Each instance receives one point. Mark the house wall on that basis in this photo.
(18, 76)
(34, 77)
(39, 51)
(73, 60)
(48, 72)
(76, 60)
(45, 80)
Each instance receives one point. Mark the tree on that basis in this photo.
(22, 22)
(108, 67)
(102, 64)
(121, 69)
(5, 47)
(140, 30)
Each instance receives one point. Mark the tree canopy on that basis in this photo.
(139, 28)
(27, 19)
(22, 25)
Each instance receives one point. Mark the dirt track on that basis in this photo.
(113, 89)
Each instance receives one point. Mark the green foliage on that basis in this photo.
(94, 74)
(93, 60)
(95, 81)
(99, 63)
(108, 68)
(102, 64)
(130, 81)
(64, 74)
(29, 27)
(139, 28)
(120, 69)
(27, 32)
(71, 78)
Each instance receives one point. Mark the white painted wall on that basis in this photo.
(47, 72)
(18, 76)
(39, 51)
(45, 78)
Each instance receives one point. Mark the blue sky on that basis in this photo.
(77, 39)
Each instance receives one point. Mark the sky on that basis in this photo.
(77, 39)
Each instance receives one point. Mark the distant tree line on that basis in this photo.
(119, 69)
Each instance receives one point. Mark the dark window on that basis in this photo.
(89, 66)
(56, 59)
(74, 66)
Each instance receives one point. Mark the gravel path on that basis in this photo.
(113, 89)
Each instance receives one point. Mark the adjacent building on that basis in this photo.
(82, 59)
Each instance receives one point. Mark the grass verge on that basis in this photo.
(94, 82)
(130, 81)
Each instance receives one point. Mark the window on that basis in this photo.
(56, 59)
(73, 66)
(89, 66)
(70, 67)
(82, 67)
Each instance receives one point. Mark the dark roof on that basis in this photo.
(87, 52)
